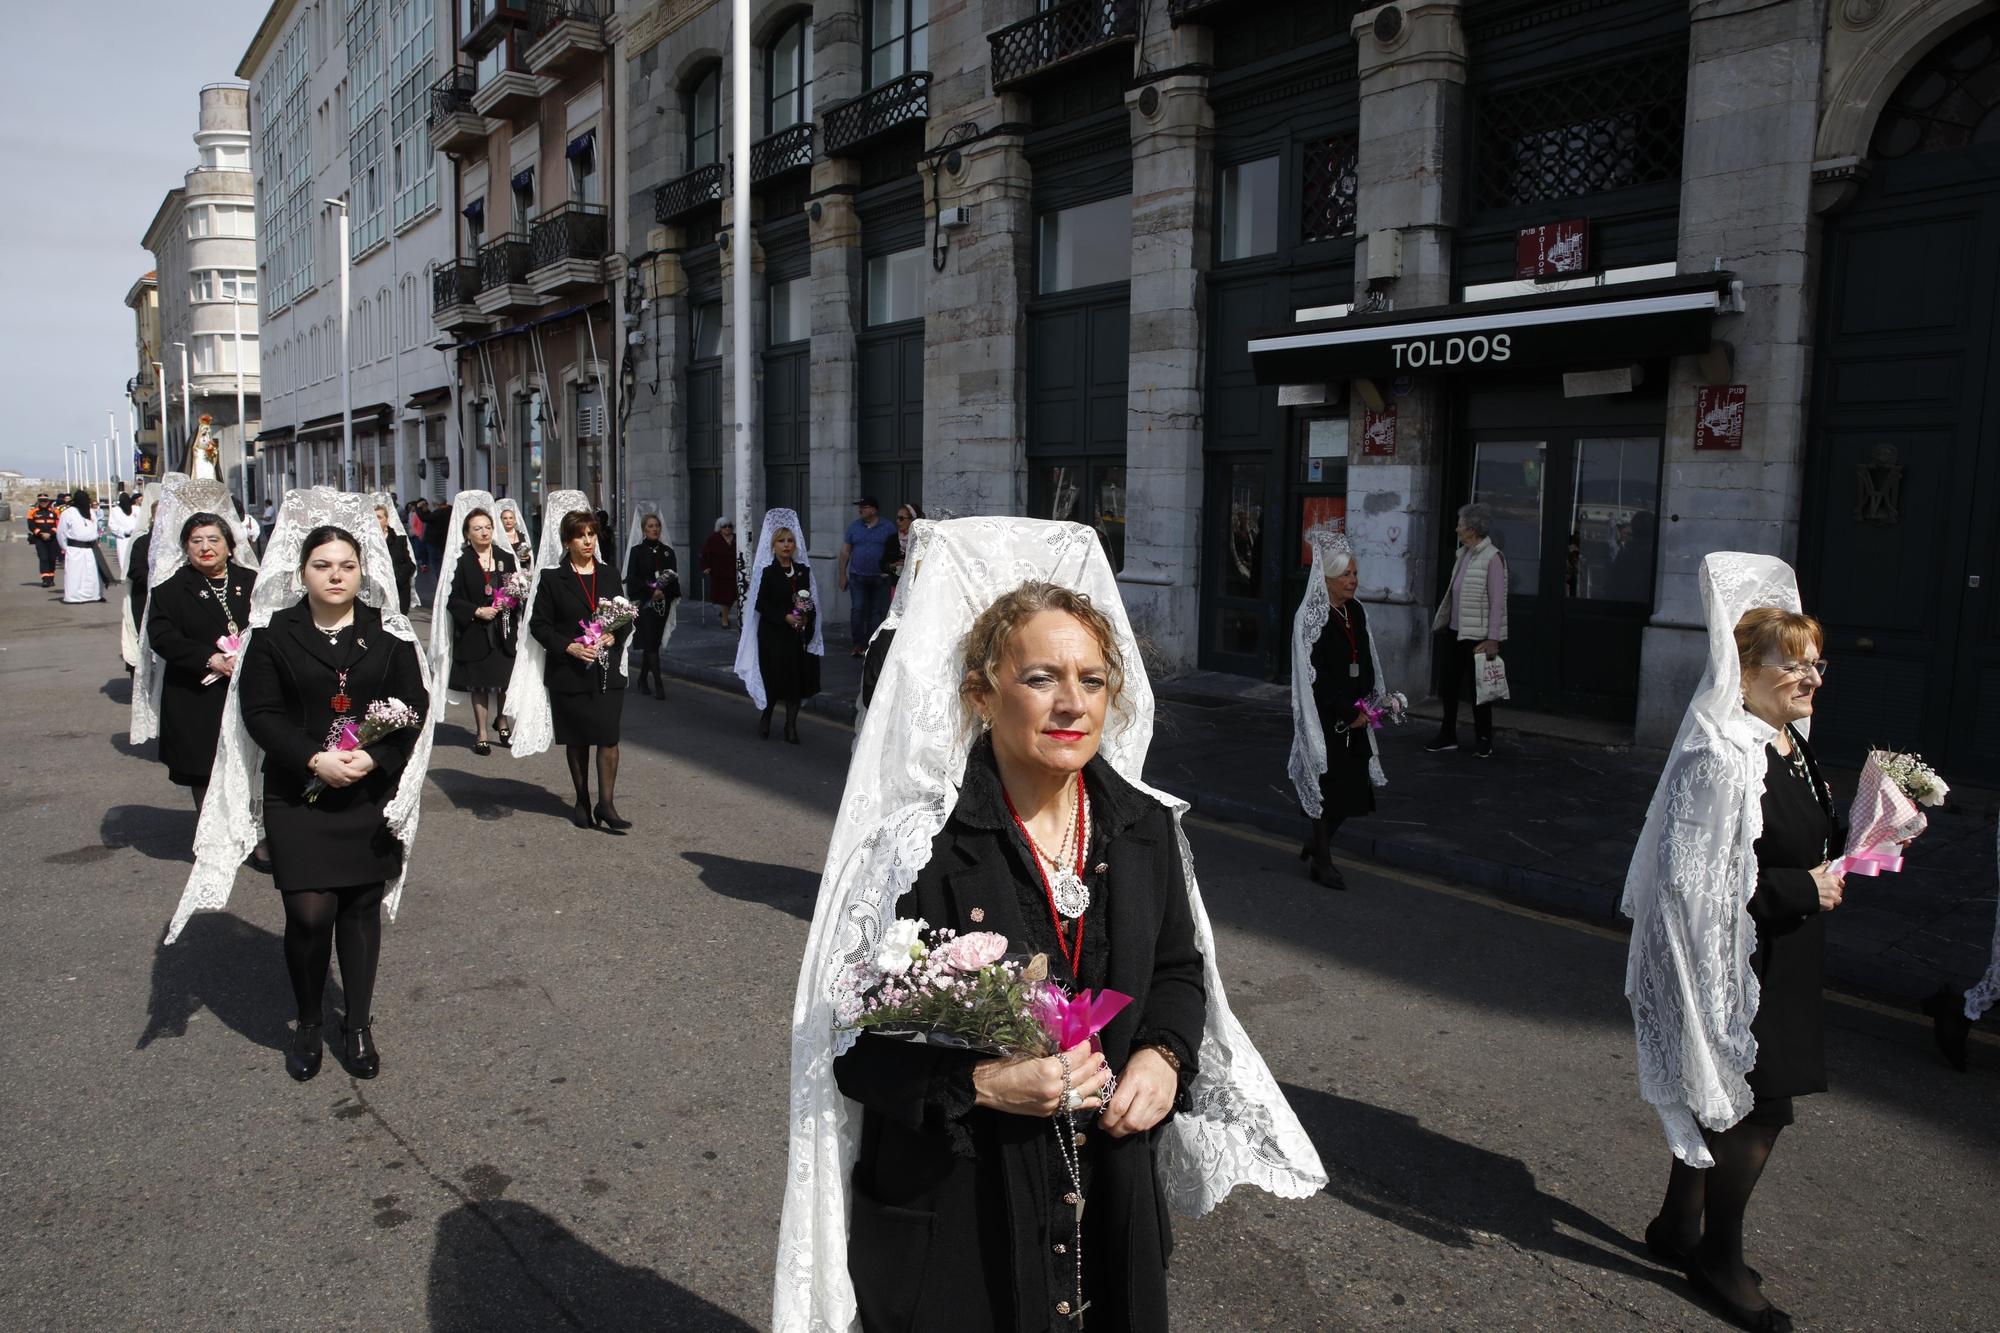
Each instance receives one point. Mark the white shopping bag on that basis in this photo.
(1489, 679)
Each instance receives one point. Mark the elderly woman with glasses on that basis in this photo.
(1471, 622)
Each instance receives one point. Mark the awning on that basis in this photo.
(373, 415)
(1567, 330)
(429, 397)
(582, 145)
(475, 212)
(524, 180)
(275, 435)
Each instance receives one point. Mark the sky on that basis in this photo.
(107, 99)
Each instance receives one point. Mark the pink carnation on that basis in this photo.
(969, 953)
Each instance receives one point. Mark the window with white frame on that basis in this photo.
(895, 286)
(216, 353)
(789, 77)
(367, 126)
(412, 70)
(584, 185)
(898, 38)
(705, 121)
(226, 157)
(225, 284)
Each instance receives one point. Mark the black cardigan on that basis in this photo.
(559, 606)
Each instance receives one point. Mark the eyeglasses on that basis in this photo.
(1818, 668)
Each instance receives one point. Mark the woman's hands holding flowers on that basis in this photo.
(1034, 1087)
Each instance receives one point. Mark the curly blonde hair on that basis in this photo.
(986, 642)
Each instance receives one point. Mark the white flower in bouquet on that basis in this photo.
(901, 945)
(1918, 780)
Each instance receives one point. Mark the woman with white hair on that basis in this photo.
(1471, 622)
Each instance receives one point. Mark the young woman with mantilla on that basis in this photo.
(779, 647)
(652, 581)
(586, 685)
(482, 656)
(204, 601)
(319, 663)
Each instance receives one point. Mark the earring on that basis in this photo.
(985, 722)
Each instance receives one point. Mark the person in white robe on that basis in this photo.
(76, 534)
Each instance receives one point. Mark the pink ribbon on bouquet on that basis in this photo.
(229, 645)
(350, 737)
(1370, 712)
(1871, 863)
(1071, 1022)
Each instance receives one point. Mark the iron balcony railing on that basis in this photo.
(571, 231)
(790, 149)
(1058, 35)
(452, 94)
(503, 262)
(546, 14)
(900, 101)
(684, 194)
(454, 282)
(1179, 11)
(479, 20)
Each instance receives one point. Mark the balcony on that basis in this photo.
(686, 194)
(483, 21)
(455, 127)
(567, 247)
(512, 94)
(1053, 38)
(860, 120)
(503, 275)
(455, 294)
(1196, 11)
(563, 34)
(790, 149)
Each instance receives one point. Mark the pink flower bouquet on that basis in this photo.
(1884, 815)
(383, 717)
(229, 645)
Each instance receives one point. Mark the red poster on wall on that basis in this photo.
(1552, 250)
(1378, 432)
(1315, 510)
(1718, 415)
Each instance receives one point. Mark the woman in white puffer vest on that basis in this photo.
(1471, 620)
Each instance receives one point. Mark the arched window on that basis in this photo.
(705, 120)
(788, 77)
(1950, 100)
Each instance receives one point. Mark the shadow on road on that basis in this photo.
(490, 798)
(504, 1266)
(1389, 1166)
(787, 888)
(118, 690)
(231, 968)
(163, 833)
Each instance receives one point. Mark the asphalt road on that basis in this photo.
(580, 1121)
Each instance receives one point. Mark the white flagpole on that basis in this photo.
(739, 204)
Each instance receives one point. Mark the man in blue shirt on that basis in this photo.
(861, 558)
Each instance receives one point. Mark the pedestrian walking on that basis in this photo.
(1335, 763)
(77, 531)
(1471, 623)
(514, 534)
(1015, 1192)
(565, 689)
(195, 624)
(779, 649)
(400, 558)
(914, 540)
(138, 572)
(438, 525)
(653, 583)
(123, 525)
(1952, 1015)
(895, 551)
(718, 566)
(484, 635)
(861, 575)
(42, 521)
(249, 522)
(331, 709)
(1728, 891)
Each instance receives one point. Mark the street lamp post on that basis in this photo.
(187, 408)
(346, 361)
(739, 204)
(242, 424)
(160, 460)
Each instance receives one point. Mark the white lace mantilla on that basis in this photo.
(640, 509)
(1987, 990)
(527, 687)
(181, 497)
(1331, 556)
(128, 632)
(901, 786)
(232, 820)
(387, 504)
(748, 667)
(444, 630)
(1693, 872)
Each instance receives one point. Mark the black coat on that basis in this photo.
(404, 565)
(648, 561)
(186, 621)
(789, 666)
(140, 560)
(478, 641)
(560, 604)
(289, 678)
(957, 1209)
(1801, 831)
(1345, 788)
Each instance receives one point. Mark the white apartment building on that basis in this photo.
(203, 242)
(338, 99)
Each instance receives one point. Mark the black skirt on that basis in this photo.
(587, 719)
(1345, 789)
(336, 842)
(482, 658)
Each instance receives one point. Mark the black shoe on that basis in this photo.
(580, 816)
(1659, 1239)
(764, 726)
(302, 1061)
(357, 1049)
(1483, 750)
(1949, 1026)
(481, 748)
(659, 687)
(260, 864)
(1439, 743)
(503, 737)
(792, 732)
(608, 817)
(1769, 1319)
(645, 686)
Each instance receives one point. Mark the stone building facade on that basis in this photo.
(339, 100)
(143, 389)
(1650, 278)
(203, 241)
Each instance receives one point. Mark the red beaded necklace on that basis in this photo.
(1073, 955)
(589, 589)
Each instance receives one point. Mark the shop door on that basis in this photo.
(892, 415)
(788, 432)
(1575, 513)
(1901, 550)
(1077, 367)
(704, 458)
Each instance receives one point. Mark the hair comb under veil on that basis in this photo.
(1332, 555)
(181, 497)
(527, 688)
(1687, 974)
(232, 819)
(444, 630)
(901, 786)
(749, 668)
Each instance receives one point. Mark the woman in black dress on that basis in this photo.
(586, 687)
(652, 581)
(482, 655)
(786, 614)
(320, 662)
(205, 601)
(399, 558)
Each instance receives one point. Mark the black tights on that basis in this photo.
(314, 920)
(1704, 1208)
(607, 774)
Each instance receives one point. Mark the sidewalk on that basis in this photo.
(1546, 822)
